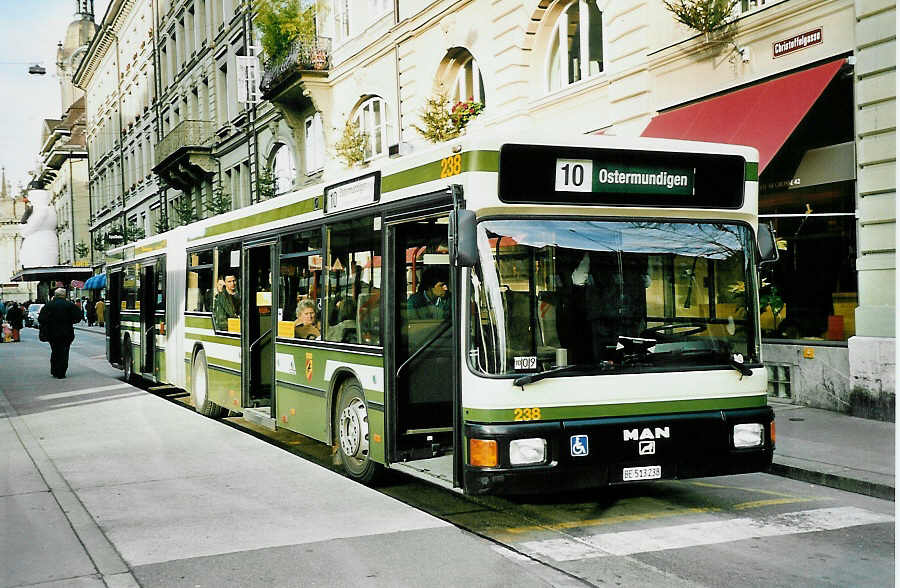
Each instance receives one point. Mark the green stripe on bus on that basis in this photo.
(488, 161)
(259, 218)
(150, 247)
(199, 322)
(219, 362)
(213, 339)
(552, 413)
(751, 171)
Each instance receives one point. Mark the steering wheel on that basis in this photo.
(660, 330)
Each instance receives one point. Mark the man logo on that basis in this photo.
(646, 447)
(645, 433)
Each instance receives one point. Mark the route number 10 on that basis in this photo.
(574, 175)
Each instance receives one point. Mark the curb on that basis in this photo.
(873, 489)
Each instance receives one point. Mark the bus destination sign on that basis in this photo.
(604, 176)
(585, 175)
(353, 193)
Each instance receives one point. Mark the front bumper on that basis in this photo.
(590, 453)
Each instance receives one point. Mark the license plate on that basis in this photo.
(641, 473)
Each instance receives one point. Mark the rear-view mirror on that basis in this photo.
(463, 249)
(768, 248)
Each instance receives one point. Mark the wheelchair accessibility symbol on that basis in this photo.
(578, 445)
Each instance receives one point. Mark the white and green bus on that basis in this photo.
(491, 315)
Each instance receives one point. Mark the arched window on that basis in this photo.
(371, 116)
(468, 83)
(283, 168)
(576, 46)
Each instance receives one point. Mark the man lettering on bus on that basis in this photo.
(227, 303)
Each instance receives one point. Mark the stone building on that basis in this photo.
(118, 78)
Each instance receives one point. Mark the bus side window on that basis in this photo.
(198, 297)
(300, 274)
(353, 265)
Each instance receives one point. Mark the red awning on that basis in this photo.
(761, 116)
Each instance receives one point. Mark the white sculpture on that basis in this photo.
(40, 247)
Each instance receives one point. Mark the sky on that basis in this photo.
(29, 33)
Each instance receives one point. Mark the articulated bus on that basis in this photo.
(491, 315)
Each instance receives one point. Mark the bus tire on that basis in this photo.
(200, 388)
(128, 362)
(351, 434)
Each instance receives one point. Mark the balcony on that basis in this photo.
(306, 59)
(183, 156)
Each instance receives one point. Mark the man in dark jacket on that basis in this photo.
(56, 320)
(15, 317)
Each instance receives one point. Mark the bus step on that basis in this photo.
(260, 416)
(163, 388)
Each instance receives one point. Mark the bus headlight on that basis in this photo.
(748, 435)
(527, 451)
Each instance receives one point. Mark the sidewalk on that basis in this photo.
(833, 449)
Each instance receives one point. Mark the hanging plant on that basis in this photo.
(351, 147)
(710, 17)
(464, 111)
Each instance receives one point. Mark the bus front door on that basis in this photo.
(258, 326)
(423, 340)
(148, 319)
(114, 318)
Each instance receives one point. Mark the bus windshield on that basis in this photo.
(579, 296)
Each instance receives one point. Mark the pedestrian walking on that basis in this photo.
(100, 307)
(15, 317)
(91, 313)
(56, 322)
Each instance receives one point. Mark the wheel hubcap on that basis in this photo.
(354, 430)
(200, 386)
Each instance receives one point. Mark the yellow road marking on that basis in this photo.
(611, 520)
(758, 490)
(771, 502)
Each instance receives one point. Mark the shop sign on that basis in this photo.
(797, 42)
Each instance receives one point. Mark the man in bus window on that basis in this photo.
(431, 300)
(227, 303)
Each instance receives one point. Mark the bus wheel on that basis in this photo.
(200, 389)
(128, 363)
(351, 425)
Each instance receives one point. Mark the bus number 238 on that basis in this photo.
(527, 414)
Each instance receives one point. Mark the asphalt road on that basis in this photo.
(750, 530)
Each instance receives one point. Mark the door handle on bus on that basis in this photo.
(249, 349)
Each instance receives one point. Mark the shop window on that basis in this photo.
(226, 304)
(371, 116)
(300, 286)
(199, 296)
(576, 46)
(353, 295)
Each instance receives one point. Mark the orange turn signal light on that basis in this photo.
(772, 433)
(483, 453)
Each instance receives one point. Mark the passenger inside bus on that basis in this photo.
(306, 326)
(432, 299)
(227, 303)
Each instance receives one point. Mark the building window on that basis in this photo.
(341, 12)
(315, 144)
(576, 46)
(469, 84)
(779, 380)
(283, 169)
(371, 116)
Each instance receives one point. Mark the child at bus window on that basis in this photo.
(306, 326)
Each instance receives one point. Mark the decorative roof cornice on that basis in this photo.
(103, 40)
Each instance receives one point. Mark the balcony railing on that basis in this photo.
(304, 56)
(187, 133)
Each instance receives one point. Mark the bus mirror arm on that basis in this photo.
(768, 248)
(463, 249)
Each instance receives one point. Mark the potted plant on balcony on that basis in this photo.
(714, 19)
(283, 23)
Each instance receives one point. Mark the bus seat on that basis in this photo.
(368, 316)
(518, 318)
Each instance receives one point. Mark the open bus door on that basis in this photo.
(114, 317)
(424, 360)
(148, 319)
(258, 326)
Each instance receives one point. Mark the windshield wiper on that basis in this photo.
(735, 360)
(558, 371)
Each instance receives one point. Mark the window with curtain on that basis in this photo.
(371, 116)
(576, 46)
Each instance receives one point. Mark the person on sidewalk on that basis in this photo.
(100, 307)
(56, 320)
(15, 317)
